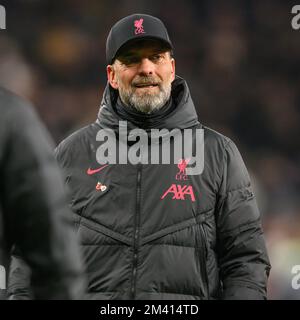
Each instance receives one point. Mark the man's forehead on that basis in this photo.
(142, 46)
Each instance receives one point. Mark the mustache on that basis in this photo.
(145, 80)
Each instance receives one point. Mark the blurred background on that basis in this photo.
(241, 60)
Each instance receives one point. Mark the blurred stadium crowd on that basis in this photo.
(241, 60)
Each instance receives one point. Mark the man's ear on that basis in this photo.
(173, 68)
(111, 76)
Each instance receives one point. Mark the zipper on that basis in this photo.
(136, 232)
(203, 258)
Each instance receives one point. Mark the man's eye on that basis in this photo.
(156, 57)
(130, 60)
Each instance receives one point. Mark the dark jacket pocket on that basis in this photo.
(202, 252)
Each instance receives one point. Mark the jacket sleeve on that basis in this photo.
(243, 260)
(39, 220)
(19, 279)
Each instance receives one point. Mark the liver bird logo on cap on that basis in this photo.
(139, 26)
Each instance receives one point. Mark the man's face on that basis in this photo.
(143, 73)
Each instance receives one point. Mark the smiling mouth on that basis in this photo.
(146, 85)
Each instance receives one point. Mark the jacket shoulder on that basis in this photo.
(215, 145)
(215, 138)
(223, 145)
(16, 112)
(223, 155)
(76, 143)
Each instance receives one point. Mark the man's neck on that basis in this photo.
(123, 108)
(140, 119)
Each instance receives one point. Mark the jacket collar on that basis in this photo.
(182, 114)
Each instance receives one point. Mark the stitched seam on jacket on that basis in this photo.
(245, 226)
(234, 190)
(104, 230)
(170, 244)
(171, 229)
(250, 284)
(180, 294)
(103, 244)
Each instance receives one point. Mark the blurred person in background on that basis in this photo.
(34, 216)
(142, 238)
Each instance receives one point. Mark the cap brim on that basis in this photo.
(168, 45)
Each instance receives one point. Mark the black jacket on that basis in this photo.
(150, 232)
(33, 210)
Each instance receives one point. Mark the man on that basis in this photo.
(159, 230)
(34, 215)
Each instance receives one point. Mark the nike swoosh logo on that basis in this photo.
(93, 171)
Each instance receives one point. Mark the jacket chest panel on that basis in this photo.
(164, 196)
(169, 198)
(103, 193)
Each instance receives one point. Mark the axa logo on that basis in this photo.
(179, 192)
(182, 164)
(138, 24)
(2, 18)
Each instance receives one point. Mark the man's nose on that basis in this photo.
(146, 66)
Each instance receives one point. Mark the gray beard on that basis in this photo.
(146, 103)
